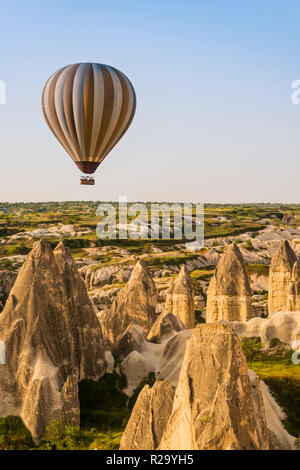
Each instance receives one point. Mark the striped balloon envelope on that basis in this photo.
(88, 107)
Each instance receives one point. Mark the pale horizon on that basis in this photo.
(214, 122)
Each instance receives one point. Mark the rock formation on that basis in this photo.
(136, 368)
(53, 340)
(262, 398)
(7, 280)
(135, 303)
(280, 277)
(229, 292)
(133, 339)
(213, 406)
(284, 326)
(166, 326)
(149, 417)
(180, 298)
(170, 362)
(293, 298)
(218, 403)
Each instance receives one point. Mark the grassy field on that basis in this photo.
(220, 221)
(283, 379)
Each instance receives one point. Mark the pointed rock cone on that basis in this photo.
(82, 323)
(166, 326)
(47, 331)
(213, 407)
(135, 303)
(149, 417)
(180, 298)
(293, 300)
(280, 276)
(229, 292)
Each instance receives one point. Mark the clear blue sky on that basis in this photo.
(214, 121)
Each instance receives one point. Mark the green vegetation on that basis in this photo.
(104, 413)
(59, 436)
(251, 347)
(277, 370)
(259, 269)
(174, 260)
(283, 379)
(14, 434)
(202, 274)
(249, 246)
(105, 408)
(103, 403)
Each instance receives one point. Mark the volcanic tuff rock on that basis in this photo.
(149, 417)
(235, 411)
(284, 326)
(170, 362)
(280, 276)
(229, 292)
(166, 326)
(135, 302)
(104, 275)
(213, 406)
(133, 339)
(293, 298)
(7, 280)
(180, 298)
(164, 359)
(53, 340)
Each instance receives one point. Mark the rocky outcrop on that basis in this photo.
(284, 326)
(136, 368)
(104, 275)
(133, 339)
(280, 277)
(170, 362)
(142, 357)
(7, 280)
(288, 219)
(180, 298)
(166, 326)
(218, 403)
(274, 415)
(213, 406)
(229, 292)
(293, 298)
(135, 303)
(149, 417)
(53, 340)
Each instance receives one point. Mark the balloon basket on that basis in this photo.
(88, 180)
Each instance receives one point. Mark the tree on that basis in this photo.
(251, 347)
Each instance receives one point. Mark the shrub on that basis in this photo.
(251, 347)
(77, 242)
(59, 436)
(198, 317)
(103, 404)
(14, 434)
(249, 246)
(107, 441)
(259, 269)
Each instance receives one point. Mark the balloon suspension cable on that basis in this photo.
(88, 180)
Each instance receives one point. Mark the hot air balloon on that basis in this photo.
(88, 107)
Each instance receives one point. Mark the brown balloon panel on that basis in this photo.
(88, 167)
